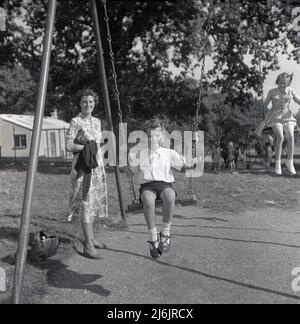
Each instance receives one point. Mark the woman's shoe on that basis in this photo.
(278, 170)
(90, 254)
(154, 249)
(291, 168)
(165, 243)
(99, 246)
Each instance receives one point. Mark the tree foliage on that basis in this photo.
(244, 39)
(17, 90)
(247, 37)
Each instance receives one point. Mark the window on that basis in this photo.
(20, 141)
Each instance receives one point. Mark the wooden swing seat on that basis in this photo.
(269, 130)
(191, 201)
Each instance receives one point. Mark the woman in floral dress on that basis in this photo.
(84, 128)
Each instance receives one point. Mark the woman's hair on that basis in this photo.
(87, 93)
(285, 75)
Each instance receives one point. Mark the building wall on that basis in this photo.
(53, 143)
(8, 130)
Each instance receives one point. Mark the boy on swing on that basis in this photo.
(156, 180)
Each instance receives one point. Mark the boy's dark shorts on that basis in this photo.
(157, 187)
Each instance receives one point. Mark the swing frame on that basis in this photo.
(21, 255)
(136, 205)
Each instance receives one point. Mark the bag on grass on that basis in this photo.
(44, 246)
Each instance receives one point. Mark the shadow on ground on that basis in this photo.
(58, 275)
(211, 276)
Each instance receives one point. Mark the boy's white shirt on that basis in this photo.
(158, 167)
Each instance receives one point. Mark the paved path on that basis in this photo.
(221, 258)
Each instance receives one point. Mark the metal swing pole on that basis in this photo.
(106, 100)
(34, 155)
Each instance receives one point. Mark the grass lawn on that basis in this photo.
(219, 193)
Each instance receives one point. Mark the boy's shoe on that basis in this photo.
(165, 243)
(154, 249)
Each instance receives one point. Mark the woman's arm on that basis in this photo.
(296, 97)
(268, 99)
(71, 137)
(73, 148)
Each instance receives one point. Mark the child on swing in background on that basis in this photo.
(156, 180)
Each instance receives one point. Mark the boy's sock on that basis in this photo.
(166, 230)
(153, 235)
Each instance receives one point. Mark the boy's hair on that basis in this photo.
(153, 124)
(285, 75)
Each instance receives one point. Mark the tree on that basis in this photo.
(146, 37)
(254, 30)
(148, 30)
(11, 37)
(17, 90)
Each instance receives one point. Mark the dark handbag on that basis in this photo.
(44, 246)
(81, 138)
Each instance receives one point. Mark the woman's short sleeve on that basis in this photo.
(73, 130)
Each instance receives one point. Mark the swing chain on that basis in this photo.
(262, 85)
(117, 96)
(203, 67)
(190, 190)
(131, 185)
(112, 59)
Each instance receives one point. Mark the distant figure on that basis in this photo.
(217, 157)
(231, 157)
(236, 154)
(242, 157)
(224, 153)
(269, 151)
